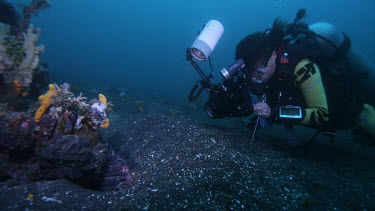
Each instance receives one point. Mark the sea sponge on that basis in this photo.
(45, 102)
(19, 58)
(139, 106)
(14, 49)
(105, 124)
(102, 98)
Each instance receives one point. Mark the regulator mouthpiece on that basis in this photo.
(206, 40)
(230, 71)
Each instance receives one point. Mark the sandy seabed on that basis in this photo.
(183, 163)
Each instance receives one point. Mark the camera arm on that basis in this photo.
(205, 82)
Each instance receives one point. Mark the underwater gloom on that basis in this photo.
(197, 105)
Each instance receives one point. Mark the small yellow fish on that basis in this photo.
(30, 196)
(139, 106)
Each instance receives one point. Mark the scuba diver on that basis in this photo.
(313, 72)
(300, 75)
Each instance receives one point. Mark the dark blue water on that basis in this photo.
(140, 45)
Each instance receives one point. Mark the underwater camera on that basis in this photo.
(228, 101)
(231, 97)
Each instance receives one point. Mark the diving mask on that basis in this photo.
(258, 73)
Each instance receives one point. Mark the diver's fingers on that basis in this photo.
(272, 59)
(260, 105)
(262, 110)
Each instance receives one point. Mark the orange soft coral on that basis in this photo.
(102, 98)
(17, 86)
(24, 94)
(105, 124)
(45, 102)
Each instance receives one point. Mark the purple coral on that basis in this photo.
(15, 136)
(117, 170)
(47, 127)
(71, 157)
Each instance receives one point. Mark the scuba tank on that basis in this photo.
(339, 46)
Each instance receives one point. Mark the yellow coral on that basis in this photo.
(41, 97)
(46, 101)
(139, 106)
(17, 86)
(105, 124)
(102, 98)
(52, 87)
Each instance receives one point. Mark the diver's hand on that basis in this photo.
(262, 110)
(271, 67)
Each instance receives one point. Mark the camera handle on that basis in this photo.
(205, 82)
(194, 94)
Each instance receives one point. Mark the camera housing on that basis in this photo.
(232, 97)
(231, 70)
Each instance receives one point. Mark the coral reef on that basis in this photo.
(98, 115)
(105, 124)
(116, 170)
(9, 15)
(16, 141)
(19, 21)
(102, 99)
(71, 157)
(3, 109)
(45, 102)
(19, 59)
(22, 75)
(61, 142)
(62, 113)
(57, 137)
(17, 87)
(32, 8)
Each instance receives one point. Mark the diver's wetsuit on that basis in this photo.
(316, 112)
(309, 81)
